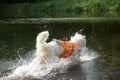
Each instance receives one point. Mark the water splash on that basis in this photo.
(36, 70)
(87, 55)
(31, 67)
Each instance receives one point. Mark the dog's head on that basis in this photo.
(79, 39)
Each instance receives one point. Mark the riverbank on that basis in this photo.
(61, 8)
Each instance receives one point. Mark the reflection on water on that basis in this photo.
(88, 70)
(103, 36)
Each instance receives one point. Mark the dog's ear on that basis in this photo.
(76, 33)
(84, 36)
(71, 37)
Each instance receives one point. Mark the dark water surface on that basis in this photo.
(102, 35)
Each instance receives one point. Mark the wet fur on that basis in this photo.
(51, 49)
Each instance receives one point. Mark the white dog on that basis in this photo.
(57, 47)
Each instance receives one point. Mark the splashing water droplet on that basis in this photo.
(33, 68)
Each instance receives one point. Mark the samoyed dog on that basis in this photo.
(58, 48)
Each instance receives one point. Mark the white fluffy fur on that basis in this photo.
(52, 49)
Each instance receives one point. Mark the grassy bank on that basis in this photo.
(62, 8)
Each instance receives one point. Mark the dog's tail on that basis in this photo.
(41, 38)
(41, 51)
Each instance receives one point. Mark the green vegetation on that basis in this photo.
(62, 8)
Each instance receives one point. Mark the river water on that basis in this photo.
(18, 39)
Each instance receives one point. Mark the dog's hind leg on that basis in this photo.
(42, 54)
